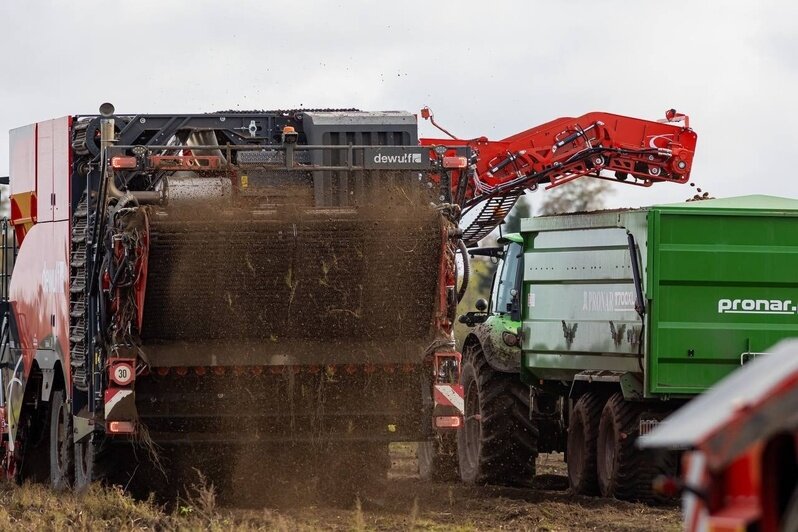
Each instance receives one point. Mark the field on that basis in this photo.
(402, 502)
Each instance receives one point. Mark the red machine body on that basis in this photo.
(38, 291)
(640, 152)
(740, 471)
(490, 175)
(57, 164)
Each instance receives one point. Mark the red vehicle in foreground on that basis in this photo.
(740, 468)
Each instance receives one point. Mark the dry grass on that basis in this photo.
(404, 502)
(35, 507)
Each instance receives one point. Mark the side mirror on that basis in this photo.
(481, 305)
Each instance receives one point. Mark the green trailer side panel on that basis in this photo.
(722, 281)
(578, 294)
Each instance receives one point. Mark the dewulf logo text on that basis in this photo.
(54, 279)
(405, 158)
(756, 306)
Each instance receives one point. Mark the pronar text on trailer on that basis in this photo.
(617, 318)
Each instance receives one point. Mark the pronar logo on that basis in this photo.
(405, 158)
(756, 306)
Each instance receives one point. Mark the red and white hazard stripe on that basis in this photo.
(449, 395)
(696, 516)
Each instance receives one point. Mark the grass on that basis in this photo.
(403, 503)
(36, 507)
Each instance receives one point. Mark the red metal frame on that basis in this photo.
(641, 152)
(733, 474)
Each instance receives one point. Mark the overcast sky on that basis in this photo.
(486, 68)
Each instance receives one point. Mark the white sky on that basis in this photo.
(486, 68)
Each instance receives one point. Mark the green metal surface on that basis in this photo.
(719, 279)
(511, 237)
(723, 283)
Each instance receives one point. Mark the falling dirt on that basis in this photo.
(402, 501)
(311, 284)
(269, 323)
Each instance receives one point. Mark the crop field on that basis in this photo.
(400, 502)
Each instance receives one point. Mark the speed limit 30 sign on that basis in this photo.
(122, 373)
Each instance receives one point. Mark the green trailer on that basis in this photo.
(601, 324)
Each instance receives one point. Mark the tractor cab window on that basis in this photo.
(506, 279)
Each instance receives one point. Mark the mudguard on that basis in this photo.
(499, 355)
(48, 360)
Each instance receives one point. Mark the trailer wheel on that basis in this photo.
(583, 428)
(624, 471)
(498, 443)
(61, 446)
(437, 459)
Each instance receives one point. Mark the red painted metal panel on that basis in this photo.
(39, 291)
(62, 163)
(44, 170)
(22, 163)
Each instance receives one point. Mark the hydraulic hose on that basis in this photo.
(466, 270)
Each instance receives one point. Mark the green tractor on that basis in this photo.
(601, 324)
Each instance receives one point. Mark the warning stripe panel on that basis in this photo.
(449, 395)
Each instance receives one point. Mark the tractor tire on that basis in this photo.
(437, 459)
(624, 471)
(61, 443)
(498, 443)
(583, 427)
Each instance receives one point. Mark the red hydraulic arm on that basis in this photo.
(639, 152)
(601, 145)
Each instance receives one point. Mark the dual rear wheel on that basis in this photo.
(602, 456)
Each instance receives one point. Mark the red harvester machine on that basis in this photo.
(246, 280)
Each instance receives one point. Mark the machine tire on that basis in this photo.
(96, 460)
(437, 459)
(583, 428)
(498, 443)
(86, 470)
(62, 451)
(624, 471)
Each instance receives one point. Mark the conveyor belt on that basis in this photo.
(492, 212)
